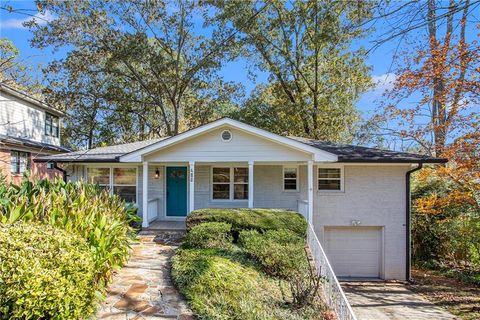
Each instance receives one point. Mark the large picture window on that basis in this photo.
(51, 125)
(330, 179)
(230, 183)
(19, 162)
(119, 181)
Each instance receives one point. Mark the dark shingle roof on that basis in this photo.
(101, 154)
(351, 153)
(30, 143)
(344, 152)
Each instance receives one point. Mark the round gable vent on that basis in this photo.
(226, 135)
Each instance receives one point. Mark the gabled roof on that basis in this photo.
(101, 154)
(28, 98)
(321, 150)
(318, 154)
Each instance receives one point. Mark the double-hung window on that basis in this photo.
(330, 179)
(290, 179)
(125, 183)
(51, 125)
(19, 162)
(230, 183)
(119, 181)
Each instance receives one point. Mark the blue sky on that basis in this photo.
(379, 60)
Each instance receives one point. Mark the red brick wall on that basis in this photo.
(38, 170)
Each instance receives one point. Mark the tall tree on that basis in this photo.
(305, 47)
(14, 71)
(435, 97)
(150, 53)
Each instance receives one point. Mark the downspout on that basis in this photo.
(408, 199)
(63, 171)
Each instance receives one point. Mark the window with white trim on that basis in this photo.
(19, 162)
(120, 181)
(290, 178)
(329, 179)
(125, 183)
(230, 183)
(52, 125)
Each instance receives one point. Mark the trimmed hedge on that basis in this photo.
(209, 235)
(217, 286)
(45, 273)
(280, 252)
(250, 278)
(251, 219)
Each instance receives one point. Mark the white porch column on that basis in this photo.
(145, 195)
(310, 191)
(250, 184)
(191, 193)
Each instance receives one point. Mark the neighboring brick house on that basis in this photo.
(29, 128)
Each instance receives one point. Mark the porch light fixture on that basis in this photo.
(157, 173)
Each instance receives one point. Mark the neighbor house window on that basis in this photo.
(51, 125)
(329, 179)
(119, 181)
(19, 162)
(290, 176)
(230, 183)
(125, 183)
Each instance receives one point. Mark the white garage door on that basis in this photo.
(354, 251)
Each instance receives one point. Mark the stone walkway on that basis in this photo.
(143, 288)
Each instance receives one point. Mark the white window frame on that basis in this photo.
(231, 183)
(110, 177)
(297, 169)
(342, 178)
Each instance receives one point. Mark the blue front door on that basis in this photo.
(177, 191)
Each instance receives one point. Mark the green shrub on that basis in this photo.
(45, 273)
(80, 208)
(280, 252)
(218, 287)
(251, 219)
(209, 235)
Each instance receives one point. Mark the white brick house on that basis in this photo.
(355, 197)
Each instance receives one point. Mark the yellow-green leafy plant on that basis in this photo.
(102, 220)
(45, 273)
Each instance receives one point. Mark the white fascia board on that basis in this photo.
(317, 154)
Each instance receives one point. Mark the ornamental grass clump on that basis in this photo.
(45, 273)
(82, 209)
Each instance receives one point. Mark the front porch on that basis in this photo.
(171, 190)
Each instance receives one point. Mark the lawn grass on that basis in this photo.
(460, 298)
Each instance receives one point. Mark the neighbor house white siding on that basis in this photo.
(209, 147)
(375, 196)
(22, 119)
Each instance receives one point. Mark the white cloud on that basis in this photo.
(17, 23)
(383, 82)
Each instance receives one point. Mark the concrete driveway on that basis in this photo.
(385, 300)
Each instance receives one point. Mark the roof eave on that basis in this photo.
(436, 160)
(25, 97)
